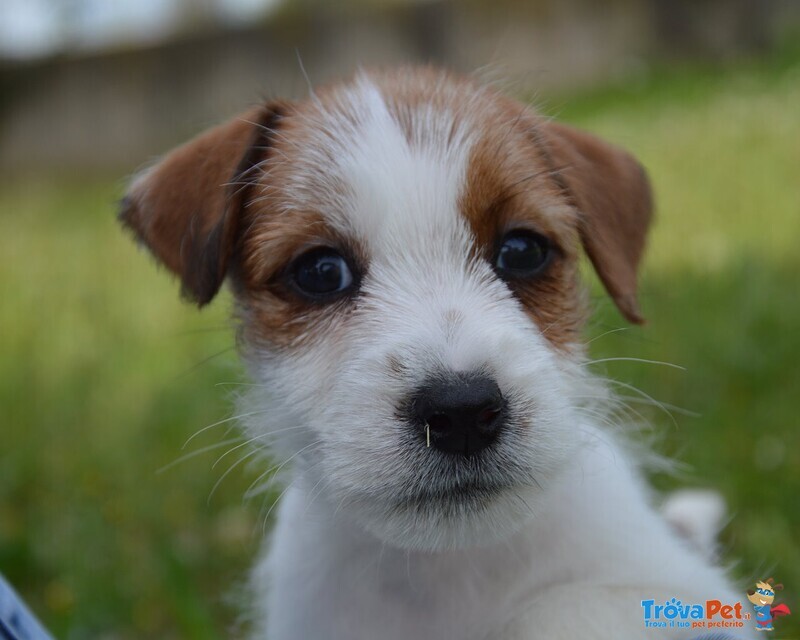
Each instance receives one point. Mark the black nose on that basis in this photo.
(461, 412)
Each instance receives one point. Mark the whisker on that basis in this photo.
(603, 419)
(655, 402)
(250, 491)
(615, 407)
(274, 503)
(216, 424)
(254, 490)
(280, 496)
(643, 360)
(206, 360)
(602, 335)
(238, 384)
(190, 332)
(247, 455)
(524, 502)
(312, 496)
(237, 447)
(672, 407)
(339, 506)
(268, 434)
(196, 453)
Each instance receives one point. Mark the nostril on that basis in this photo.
(487, 415)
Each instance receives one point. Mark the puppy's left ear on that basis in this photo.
(186, 208)
(612, 194)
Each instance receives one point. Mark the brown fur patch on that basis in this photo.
(276, 231)
(273, 313)
(510, 186)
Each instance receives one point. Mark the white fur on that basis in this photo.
(698, 516)
(579, 569)
(567, 545)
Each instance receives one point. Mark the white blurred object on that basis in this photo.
(697, 515)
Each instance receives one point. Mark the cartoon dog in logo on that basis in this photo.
(762, 597)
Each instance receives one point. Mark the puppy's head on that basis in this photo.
(403, 251)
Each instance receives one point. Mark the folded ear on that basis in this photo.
(612, 194)
(186, 208)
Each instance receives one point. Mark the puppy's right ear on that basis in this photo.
(186, 209)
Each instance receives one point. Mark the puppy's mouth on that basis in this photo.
(466, 482)
(470, 492)
(447, 478)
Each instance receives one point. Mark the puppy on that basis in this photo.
(403, 253)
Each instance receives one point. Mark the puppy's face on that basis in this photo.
(403, 251)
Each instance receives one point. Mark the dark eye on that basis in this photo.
(321, 273)
(522, 254)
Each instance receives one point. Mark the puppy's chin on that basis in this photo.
(473, 517)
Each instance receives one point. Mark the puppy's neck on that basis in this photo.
(342, 567)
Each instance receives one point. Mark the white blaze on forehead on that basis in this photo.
(402, 186)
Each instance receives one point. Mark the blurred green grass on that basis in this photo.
(105, 373)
